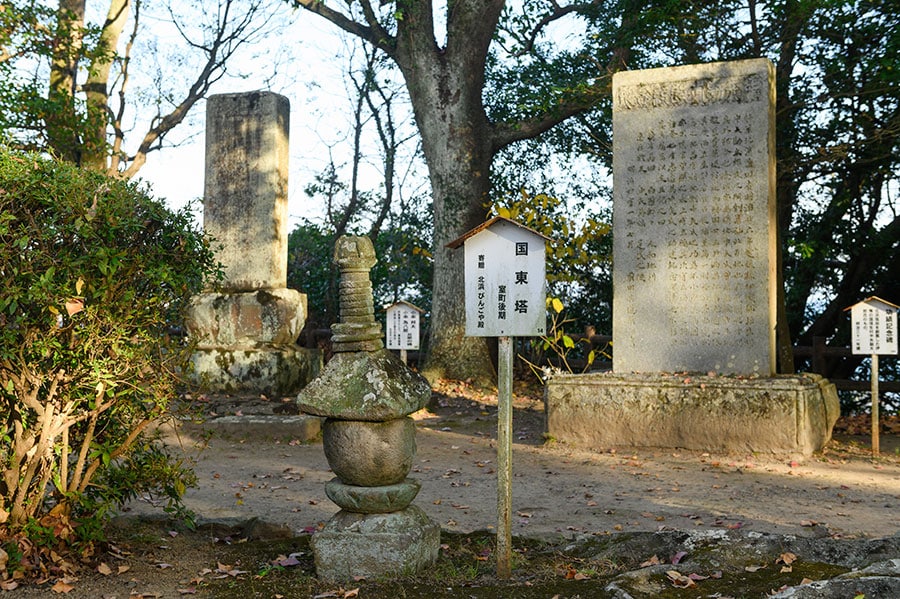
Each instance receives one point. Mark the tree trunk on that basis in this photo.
(62, 118)
(445, 88)
(95, 152)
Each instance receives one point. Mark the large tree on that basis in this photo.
(444, 65)
(70, 85)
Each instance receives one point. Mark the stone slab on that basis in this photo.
(272, 371)
(266, 426)
(245, 191)
(266, 316)
(694, 233)
(783, 415)
(375, 545)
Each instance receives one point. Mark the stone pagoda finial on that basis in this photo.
(358, 329)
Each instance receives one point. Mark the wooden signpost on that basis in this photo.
(873, 329)
(506, 291)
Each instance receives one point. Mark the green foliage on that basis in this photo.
(310, 269)
(34, 36)
(579, 253)
(96, 273)
(557, 351)
(403, 270)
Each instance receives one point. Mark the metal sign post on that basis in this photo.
(506, 290)
(873, 331)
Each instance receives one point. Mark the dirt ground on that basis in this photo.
(274, 487)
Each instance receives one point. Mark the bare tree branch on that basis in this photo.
(557, 13)
(228, 38)
(371, 32)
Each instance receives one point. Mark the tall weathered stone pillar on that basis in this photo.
(367, 394)
(246, 332)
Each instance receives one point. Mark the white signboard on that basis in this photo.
(505, 276)
(402, 326)
(874, 327)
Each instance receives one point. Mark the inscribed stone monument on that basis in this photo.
(694, 219)
(246, 331)
(694, 277)
(245, 193)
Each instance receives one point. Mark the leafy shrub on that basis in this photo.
(95, 275)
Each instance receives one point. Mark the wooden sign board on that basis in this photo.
(505, 279)
(402, 326)
(873, 329)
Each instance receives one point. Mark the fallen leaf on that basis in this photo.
(753, 568)
(653, 561)
(188, 591)
(104, 569)
(352, 593)
(680, 580)
(287, 561)
(74, 306)
(787, 559)
(678, 557)
(61, 587)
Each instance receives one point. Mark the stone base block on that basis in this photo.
(265, 316)
(791, 415)
(272, 371)
(375, 545)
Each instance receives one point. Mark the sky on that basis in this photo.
(312, 81)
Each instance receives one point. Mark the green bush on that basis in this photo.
(95, 276)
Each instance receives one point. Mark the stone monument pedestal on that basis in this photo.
(375, 545)
(246, 342)
(267, 370)
(782, 415)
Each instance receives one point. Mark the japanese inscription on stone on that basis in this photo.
(245, 192)
(694, 219)
(505, 278)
